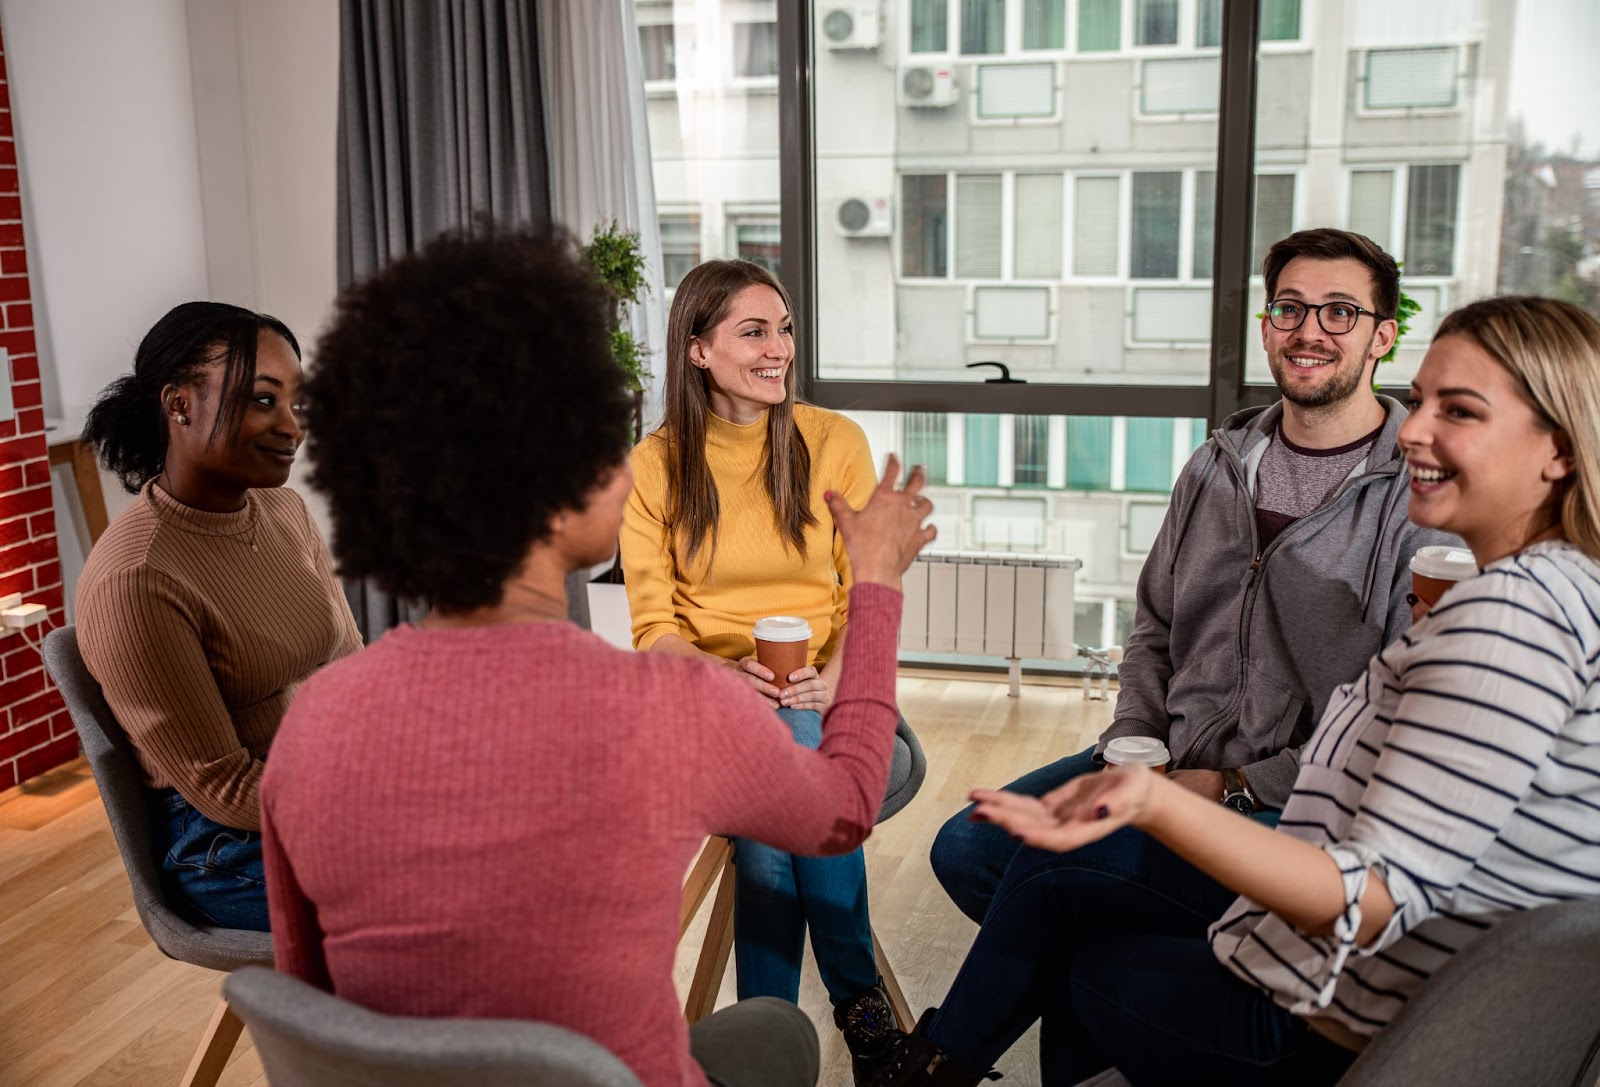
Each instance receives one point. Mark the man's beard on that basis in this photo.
(1340, 388)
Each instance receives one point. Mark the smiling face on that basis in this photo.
(747, 356)
(261, 451)
(1313, 368)
(1484, 464)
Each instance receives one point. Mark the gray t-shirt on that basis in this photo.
(1292, 482)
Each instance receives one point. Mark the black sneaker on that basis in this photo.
(914, 1061)
(870, 1031)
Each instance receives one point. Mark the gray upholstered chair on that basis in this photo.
(1522, 1005)
(906, 773)
(309, 1038)
(116, 772)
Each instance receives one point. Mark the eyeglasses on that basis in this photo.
(1336, 318)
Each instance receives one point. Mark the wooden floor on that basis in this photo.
(86, 999)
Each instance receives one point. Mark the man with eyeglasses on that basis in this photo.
(1281, 567)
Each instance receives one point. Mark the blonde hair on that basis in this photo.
(1552, 349)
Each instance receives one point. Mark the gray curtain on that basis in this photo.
(441, 119)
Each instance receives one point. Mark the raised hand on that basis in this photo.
(1083, 810)
(884, 536)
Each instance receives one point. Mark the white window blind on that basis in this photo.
(1016, 90)
(1095, 227)
(1011, 313)
(978, 226)
(1180, 85)
(1372, 204)
(1144, 521)
(1008, 524)
(1411, 78)
(1171, 315)
(1038, 226)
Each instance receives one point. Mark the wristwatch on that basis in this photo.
(1236, 792)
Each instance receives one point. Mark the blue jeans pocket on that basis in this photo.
(216, 871)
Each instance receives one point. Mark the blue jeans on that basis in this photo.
(1106, 947)
(777, 894)
(212, 873)
(970, 858)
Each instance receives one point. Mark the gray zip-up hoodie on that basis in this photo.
(1236, 648)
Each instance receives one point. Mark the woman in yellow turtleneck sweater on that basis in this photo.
(727, 524)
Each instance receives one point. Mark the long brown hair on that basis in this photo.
(700, 305)
(1552, 349)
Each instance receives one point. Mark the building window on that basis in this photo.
(1044, 24)
(1155, 22)
(1037, 207)
(930, 26)
(758, 239)
(1205, 226)
(1126, 612)
(983, 27)
(1280, 20)
(658, 52)
(1411, 78)
(1094, 226)
(983, 450)
(1274, 214)
(1031, 450)
(1149, 455)
(1089, 453)
(1099, 26)
(1180, 85)
(1208, 24)
(978, 226)
(1156, 215)
(924, 225)
(1431, 220)
(1372, 205)
(680, 247)
(1088, 622)
(755, 50)
(927, 443)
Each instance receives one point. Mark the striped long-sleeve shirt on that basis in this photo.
(1464, 770)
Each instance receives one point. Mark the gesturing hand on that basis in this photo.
(884, 536)
(1083, 810)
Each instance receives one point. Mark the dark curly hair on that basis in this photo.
(460, 398)
(126, 426)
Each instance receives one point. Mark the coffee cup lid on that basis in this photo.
(782, 628)
(1136, 751)
(1444, 563)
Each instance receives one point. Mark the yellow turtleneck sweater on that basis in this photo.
(754, 574)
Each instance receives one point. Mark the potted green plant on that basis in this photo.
(618, 263)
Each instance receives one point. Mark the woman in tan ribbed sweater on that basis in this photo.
(211, 598)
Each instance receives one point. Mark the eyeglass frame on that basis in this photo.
(1377, 318)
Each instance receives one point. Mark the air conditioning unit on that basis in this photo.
(928, 85)
(851, 26)
(864, 217)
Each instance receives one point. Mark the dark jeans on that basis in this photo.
(779, 895)
(969, 859)
(763, 1042)
(213, 874)
(1106, 946)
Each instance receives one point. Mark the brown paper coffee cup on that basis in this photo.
(783, 645)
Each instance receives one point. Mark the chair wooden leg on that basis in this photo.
(897, 999)
(713, 961)
(713, 857)
(216, 1046)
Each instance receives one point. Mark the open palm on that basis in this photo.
(1083, 810)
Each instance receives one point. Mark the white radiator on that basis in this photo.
(991, 605)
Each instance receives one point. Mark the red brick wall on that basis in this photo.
(35, 732)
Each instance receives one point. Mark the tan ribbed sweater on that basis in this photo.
(200, 627)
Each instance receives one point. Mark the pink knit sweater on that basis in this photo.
(496, 822)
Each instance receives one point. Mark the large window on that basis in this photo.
(658, 52)
(680, 246)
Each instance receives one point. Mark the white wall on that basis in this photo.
(169, 150)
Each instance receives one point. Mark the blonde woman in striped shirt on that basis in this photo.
(1454, 783)
(211, 597)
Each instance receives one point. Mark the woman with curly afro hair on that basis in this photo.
(489, 814)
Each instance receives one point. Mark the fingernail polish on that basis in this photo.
(1103, 812)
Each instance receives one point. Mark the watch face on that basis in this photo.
(1239, 803)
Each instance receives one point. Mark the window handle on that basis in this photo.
(1005, 377)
